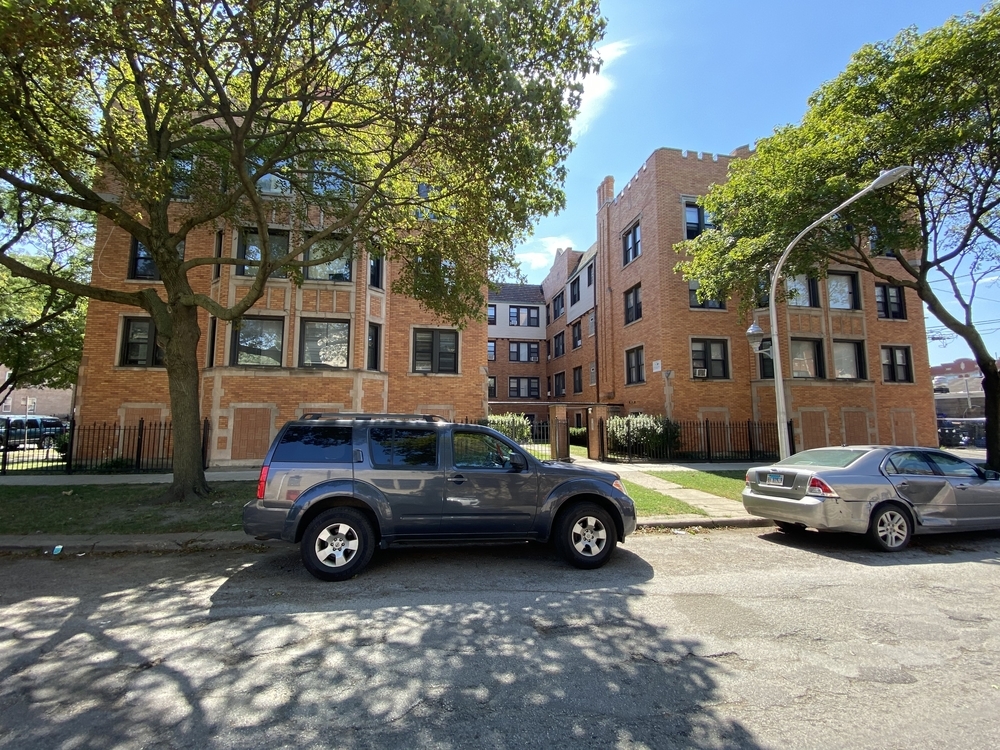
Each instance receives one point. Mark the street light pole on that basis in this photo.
(886, 178)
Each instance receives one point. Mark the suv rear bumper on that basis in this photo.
(259, 521)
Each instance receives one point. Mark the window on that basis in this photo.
(635, 371)
(590, 275)
(251, 248)
(560, 383)
(141, 264)
(435, 351)
(403, 447)
(547, 319)
(213, 327)
(548, 349)
(908, 462)
(6, 407)
(709, 304)
(559, 344)
(842, 289)
(802, 291)
(765, 363)
(374, 335)
(491, 351)
(896, 364)
(696, 220)
(577, 380)
(491, 315)
(375, 272)
(548, 385)
(593, 373)
(474, 450)
(491, 385)
(558, 306)
(631, 247)
(848, 360)
(522, 387)
(949, 465)
(335, 269)
(258, 341)
(807, 358)
(889, 302)
(523, 351)
(708, 359)
(577, 331)
(139, 345)
(324, 343)
(633, 304)
(315, 444)
(875, 247)
(217, 268)
(591, 324)
(181, 168)
(271, 183)
(523, 316)
(574, 291)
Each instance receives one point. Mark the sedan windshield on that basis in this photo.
(832, 457)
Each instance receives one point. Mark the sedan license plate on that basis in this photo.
(775, 479)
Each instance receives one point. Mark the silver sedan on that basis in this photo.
(889, 493)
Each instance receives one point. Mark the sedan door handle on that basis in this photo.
(903, 485)
(963, 486)
(457, 479)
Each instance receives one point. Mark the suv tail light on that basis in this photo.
(818, 487)
(262, 482)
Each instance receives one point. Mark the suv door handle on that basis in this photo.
(457, 479)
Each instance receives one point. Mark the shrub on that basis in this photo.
(61, 443)
(515, 426)
(643, 434)
(578, 436)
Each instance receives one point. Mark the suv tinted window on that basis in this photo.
(51, 423)
(315, 444)
(403, 447)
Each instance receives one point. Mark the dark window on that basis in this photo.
(875, 247)
(842, 289)
(889, 302)
(548, 385)
(949, 465)
(258, 341)
(491, 351)
(217, 268)
(491, 382)
(474, 450)
(522, 387)
(560, 378)
(577, 335)
(338, 268)
(559, 344)
(548, 348)
(635, 370)
(213, 326)
(802, 291)
(491, 314)
(577, 380)
(324, 343)
(374, 334)
(523, 316)
(807, 358)
(558, 306)
(633, 304)
(435, 351)
(139, 345)
(709, 304)
(764, 360)
(375, 272)
(709, 359)
(590, 275)
(547, 320)
(315, 444)
(141, 264)
(181, 169)
(896, 364)
(696, 220)
(574, 291)
(403, 447)
(849, 360)
(523, 351)
(631, 248)
(250, 248)
(909, 462)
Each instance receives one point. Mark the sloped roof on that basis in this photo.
(529, 294)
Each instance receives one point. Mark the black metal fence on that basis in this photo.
(666, 440)
(95, 449)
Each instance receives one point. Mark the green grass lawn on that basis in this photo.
(652, 503)
(120, 509)
(722, 483)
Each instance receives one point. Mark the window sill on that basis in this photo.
(318, 282)
(855, 310)
(632, 322)
(708, 309)
(715, 380)
(143, 281)
(638, 382)
(435, 374)
(893, 320)
(139, 368)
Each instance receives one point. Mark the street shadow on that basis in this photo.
(502, 647)
(961, 547)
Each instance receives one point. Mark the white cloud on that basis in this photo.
(596, 88)
(538, 253)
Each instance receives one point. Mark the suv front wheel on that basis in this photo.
(338, 544)
(585, 535)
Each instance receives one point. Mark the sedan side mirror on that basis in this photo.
(517, 462)
(990, 474)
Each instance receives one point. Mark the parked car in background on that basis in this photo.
(888, 493)
(39, 430)
(341, 485)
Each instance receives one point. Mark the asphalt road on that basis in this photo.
(728, 638)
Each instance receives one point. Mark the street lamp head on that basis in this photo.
(889, 176)
(755, 335)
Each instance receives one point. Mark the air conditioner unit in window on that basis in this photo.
(534, 359)
(700, 372)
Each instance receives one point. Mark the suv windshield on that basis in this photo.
(832, 457)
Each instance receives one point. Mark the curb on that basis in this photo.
(742, 522)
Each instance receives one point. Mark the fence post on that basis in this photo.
(205, 428)
(628, 439)
(138, 445)
(708, 442)
(69, 445)
(791, 438)
(602, 451)
(6, 437)
(750, 438)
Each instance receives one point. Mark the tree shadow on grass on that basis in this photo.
(489, 647)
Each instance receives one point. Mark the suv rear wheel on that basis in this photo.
(585, 535)
(338, 544)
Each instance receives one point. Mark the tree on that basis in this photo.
(930, 101)
(41, 327)
(429, 132)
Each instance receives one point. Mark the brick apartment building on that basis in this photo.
(624, 329)
(340, 342)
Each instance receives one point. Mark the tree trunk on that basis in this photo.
(185, 409)
(991, 392)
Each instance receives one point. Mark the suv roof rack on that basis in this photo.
(345, 415)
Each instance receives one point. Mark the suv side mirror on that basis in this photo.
(517, 462)
(990, 474)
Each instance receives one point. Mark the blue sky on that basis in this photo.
(710, 76)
